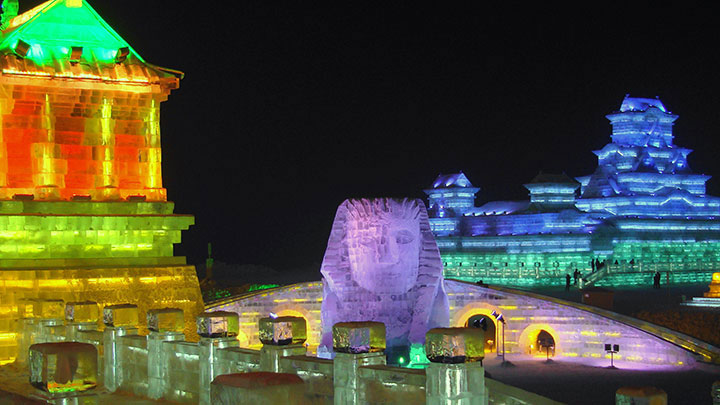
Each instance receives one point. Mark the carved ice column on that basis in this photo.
(281, 337)
(120, 320)
(356, 344)
(165, 325)
(455, 375)
(217, 330)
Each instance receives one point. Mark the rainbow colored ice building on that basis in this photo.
(642, 211)
(83, 211)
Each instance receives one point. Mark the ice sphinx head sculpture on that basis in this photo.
(382, 264)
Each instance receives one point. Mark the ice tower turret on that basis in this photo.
(83, 212)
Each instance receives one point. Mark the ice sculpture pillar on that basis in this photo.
(382, 264)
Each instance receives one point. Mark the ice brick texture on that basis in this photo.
(382, 254)
(63, 366)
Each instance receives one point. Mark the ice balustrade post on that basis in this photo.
(218, 330)
(355, 344)
(49, 320)
(281, 337)
(165, 325)
(640, 396)
(35, 315)
(120, 320)
(455, 375)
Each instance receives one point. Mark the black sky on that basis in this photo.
(288, 109)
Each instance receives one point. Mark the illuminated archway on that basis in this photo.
(528, 342)
(490, 330)
(461, 317)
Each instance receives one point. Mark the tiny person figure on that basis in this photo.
(567, 282)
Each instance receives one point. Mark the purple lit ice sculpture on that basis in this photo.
(382, 264)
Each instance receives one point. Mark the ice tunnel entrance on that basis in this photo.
(487, 323)
(544, 344)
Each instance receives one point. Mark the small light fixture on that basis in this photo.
(22, 48)
(122, 54)
(75, 54)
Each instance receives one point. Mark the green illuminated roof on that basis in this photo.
(69, 36)
(54, 27)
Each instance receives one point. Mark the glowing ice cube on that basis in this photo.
(358, 337)
(455, 345)
(218, 324)
(165, 320)
(86, 311)
(63, 366)
(120, 315)
(284, 330)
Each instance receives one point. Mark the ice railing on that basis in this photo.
(608, 267)
(163, 365)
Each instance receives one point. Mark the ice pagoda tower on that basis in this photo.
(83, 212)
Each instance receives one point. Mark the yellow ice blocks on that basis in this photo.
(165, 320)
(358, 337)
(121, 315)
(455, 345)
(86, 312)
(41, 308)
(63, 367)
(284, 330)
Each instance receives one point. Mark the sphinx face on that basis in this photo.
(384, 252)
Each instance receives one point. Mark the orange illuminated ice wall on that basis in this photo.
(83, 211)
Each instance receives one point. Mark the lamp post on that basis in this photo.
(500, 318)
(612, 349)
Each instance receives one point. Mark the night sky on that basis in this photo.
(288, 109)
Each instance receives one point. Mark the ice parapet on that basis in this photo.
(282, 331)
(382, 264)
(63, 366)
(358, 337)
(258, 388)
(455, 345)
(218, 324)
